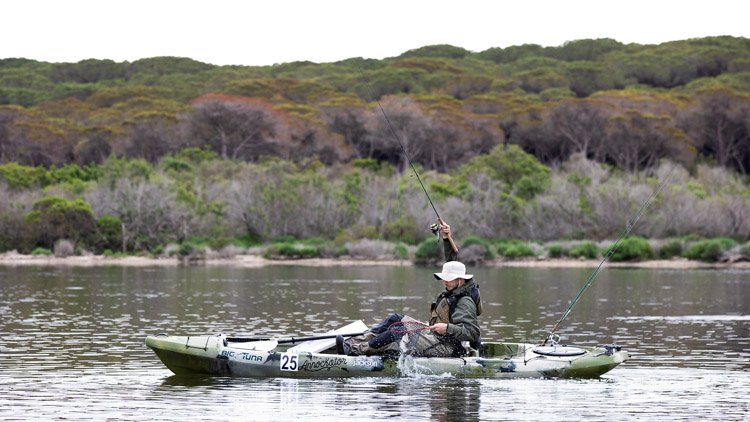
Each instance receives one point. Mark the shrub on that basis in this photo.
(486, 250)
(705, 250)
(670, 249)
(504, 244)
(64, 248)
(633, 248)
(745, 250)
(586, 249)
(230, 251)
(400, 251)
(429, 251)
(293, 250)
(518, 251)
(726, 243)
(472, 254)
(556, 251)
(41, 251)
(108, 253)
(367, 248)
(403, 229)
(109, 232)
(185, 249)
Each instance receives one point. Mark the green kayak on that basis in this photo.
(222, 355)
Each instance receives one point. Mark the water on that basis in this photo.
(71, 343)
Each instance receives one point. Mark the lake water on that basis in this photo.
(72, 343)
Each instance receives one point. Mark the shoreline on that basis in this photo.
(254, 261)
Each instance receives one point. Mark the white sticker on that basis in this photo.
(289, 362)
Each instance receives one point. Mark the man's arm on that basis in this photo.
(465, 325)
(450, 254)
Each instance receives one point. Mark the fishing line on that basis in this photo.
(398, 140)
(393, 132)
(611, 251)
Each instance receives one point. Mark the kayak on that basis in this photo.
(227, 356)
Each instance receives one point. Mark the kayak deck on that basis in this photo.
(214, 355)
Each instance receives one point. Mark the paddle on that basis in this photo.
(291, 340)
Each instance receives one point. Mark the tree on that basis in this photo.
(637, 140)
(346, 116)
(151, 136)
(238, 127)
(718, 122)
(589, 77)
(579, 124)
(88, 71)
(40, 142)
(54, 218)
(95, 144)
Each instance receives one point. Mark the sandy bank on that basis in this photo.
(253, 261)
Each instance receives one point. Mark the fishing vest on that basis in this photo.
(445, 305)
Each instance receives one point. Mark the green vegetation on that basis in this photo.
(586, 249)
(557, 251)
(166, 154)
(670, 249)
(705, 250)
(429, 251)
(633, 248)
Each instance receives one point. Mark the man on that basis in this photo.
(453, 318)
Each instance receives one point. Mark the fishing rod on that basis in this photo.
(611, 251)
(393, 132)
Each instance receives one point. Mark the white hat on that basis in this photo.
(453, 270)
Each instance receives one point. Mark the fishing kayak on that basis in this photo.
(222, 355)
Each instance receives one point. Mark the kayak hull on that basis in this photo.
(213, 355)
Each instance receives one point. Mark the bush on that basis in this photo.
(633, 248)
(109, 232)
(745, 250)
(556, 251)
(486, 250)
(505, 244)
(670, 249)
(185, 249)
(367, 248)
(518, 251)
(293, 250)
(705, 250)
(403, 229)
(587, 250)
(41, 251)
(429, 251)
(400, 251)
(726, 243)
(64, 248)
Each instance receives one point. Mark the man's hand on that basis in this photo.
(445, 230)
(440, 328)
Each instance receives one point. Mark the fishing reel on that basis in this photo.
(435, 230)
(552, 339)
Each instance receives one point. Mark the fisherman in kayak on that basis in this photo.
(453, 318)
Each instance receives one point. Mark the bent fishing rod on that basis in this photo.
(395, 136)
(609, 253)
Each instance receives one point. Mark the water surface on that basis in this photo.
(71, 343)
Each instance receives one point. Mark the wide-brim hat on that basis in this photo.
(453, 270)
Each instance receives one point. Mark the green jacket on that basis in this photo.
(464, 324)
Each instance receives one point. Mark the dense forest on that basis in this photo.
(526, 142)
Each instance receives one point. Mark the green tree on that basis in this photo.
(53, 218)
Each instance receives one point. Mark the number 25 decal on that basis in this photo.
(289, 362)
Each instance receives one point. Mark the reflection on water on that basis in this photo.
(71, 342)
